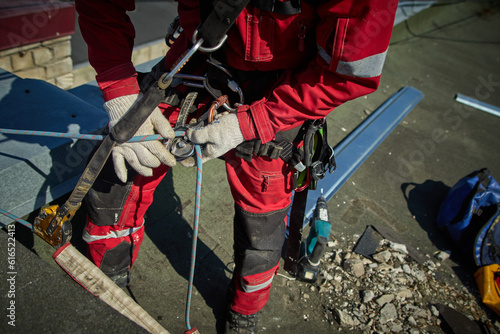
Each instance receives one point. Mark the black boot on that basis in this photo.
(122, 279)
(241, 324)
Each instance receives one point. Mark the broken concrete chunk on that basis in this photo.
(382, 257)
(412, 321)
(344, 319)
(384, 299)
(400, 256)
(404, 293)
(434, 311)
(388, 313)
(420, 275)
(400, 288)
(420, 313)
(367, 295)
(354, 267)
(401, 248)
(396, 328)
(430, 264)
(332, 243)
(338, 257)
(442, 255)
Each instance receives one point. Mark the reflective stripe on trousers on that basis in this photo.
(248, 288)
(252, 292)
(111, 234)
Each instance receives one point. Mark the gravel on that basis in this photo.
(391, 293)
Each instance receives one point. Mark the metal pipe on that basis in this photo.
(478, 104)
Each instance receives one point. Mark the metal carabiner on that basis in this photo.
(212, 111)
(205, 49)
(190, 80)
(167, 77)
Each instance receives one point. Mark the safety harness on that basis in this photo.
(315, 157)
(311, 161)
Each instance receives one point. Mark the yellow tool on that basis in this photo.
(55, 232)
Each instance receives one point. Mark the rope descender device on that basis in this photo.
(58, 231)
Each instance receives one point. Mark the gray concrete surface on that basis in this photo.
(441, 51)
(37, 298)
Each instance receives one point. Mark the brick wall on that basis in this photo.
(48, 60)
(84, 73)
(51, 61)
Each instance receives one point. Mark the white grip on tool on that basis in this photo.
(142, 156)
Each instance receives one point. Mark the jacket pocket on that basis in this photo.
(271, 182)
(339, 41)
(331, 40)
(259, 37)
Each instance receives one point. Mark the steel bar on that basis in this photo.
(469, 101)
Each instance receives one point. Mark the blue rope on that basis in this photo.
(15, 219)
(195, 231)
(133, 139)
(86, 136)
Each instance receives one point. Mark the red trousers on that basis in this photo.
(261, 190)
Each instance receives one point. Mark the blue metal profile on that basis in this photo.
(408, 8)
(469, 101)
(353, 150)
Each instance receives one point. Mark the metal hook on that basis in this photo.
(205, 49)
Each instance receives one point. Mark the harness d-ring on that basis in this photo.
(205, 49)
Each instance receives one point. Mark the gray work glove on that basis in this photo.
(218, 137)
(142, 156)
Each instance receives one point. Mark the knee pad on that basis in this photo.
(106, 199)
(258, 240)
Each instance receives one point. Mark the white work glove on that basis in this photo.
(218, 137)
(142, 156)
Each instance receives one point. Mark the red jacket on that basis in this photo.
(331, 54)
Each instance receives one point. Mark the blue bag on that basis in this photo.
(469, 216)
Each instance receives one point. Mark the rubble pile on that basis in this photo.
(391, 293)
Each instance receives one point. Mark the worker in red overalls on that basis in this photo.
(296, 61)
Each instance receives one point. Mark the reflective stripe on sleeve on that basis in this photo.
(368, 67)
(257, 287)
(323, 54)
(87, 237)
